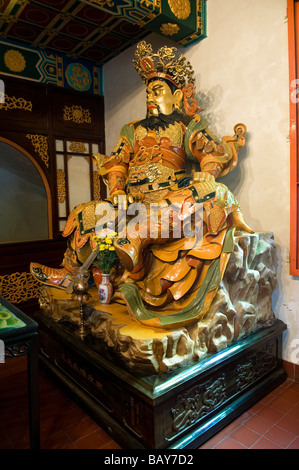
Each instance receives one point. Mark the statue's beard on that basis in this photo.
(162, 120)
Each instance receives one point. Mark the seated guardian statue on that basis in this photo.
(168, 164)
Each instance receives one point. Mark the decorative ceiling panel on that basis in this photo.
(98, 30)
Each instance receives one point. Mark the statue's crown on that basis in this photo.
(164, 64)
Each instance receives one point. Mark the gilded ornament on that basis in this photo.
(103, 3)
(77, 147)
(11, 102)
(76, 114)
(96, 186)
(169, 29)
(40, 144)
(61, 189)
(19, 287)
(180, 8)
(14, 60)
(78, 77)
(164, 63)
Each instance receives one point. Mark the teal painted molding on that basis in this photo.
(47, 66)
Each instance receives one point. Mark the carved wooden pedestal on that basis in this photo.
(175, 410)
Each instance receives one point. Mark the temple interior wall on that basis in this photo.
(241, 71)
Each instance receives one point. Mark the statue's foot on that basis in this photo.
(128, 252)
(60, 278)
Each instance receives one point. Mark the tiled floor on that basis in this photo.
(273, 423)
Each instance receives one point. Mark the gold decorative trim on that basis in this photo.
(102, 3)
(40, 144)
(169, 29)
(87, 158)
(11, 102)
(19, 287)
(77, 147)
(61, 188)
(14, 60)
(180, 8)
(96, 186)
(76, 114)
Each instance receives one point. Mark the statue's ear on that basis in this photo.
(178, 96)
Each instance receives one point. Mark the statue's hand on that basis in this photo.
(119, 198)
(201, 176)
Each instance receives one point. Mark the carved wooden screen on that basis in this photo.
(77, 176)
(293, 20)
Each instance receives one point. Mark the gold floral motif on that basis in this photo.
(19, 287)
(96, 186)
(169, 29)
(14, 60)
(180, 8)
(61, 189)
(40, 144)
(76, 114)
(11, 102)
(77, 147)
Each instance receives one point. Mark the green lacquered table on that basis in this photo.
(19, 336)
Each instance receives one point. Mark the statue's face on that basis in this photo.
(160, 98)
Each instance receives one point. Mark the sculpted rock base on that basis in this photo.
(242, 305)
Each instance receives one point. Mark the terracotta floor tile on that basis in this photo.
(71, 446)
(245, 435)
(231, 427)
(264, 443)
(16, 427)
(294, 444)
(285, 384)
(244, 417)
(258, 424)
(270, 414)
(20, 441)
(289, 423)
(92, 441)
(10, 413)
(230, 443)
(294, 386)
(206, 445)
(111, 445)
(58, 440)
(214, 441)
(103, 435)
(291, 395)
(279, 404)
(280, 436)
(4, 441)
(82, 428)
(60, 422)
(295, 411)
(257, 407)
(267, 398)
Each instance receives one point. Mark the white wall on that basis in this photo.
(241, 76)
